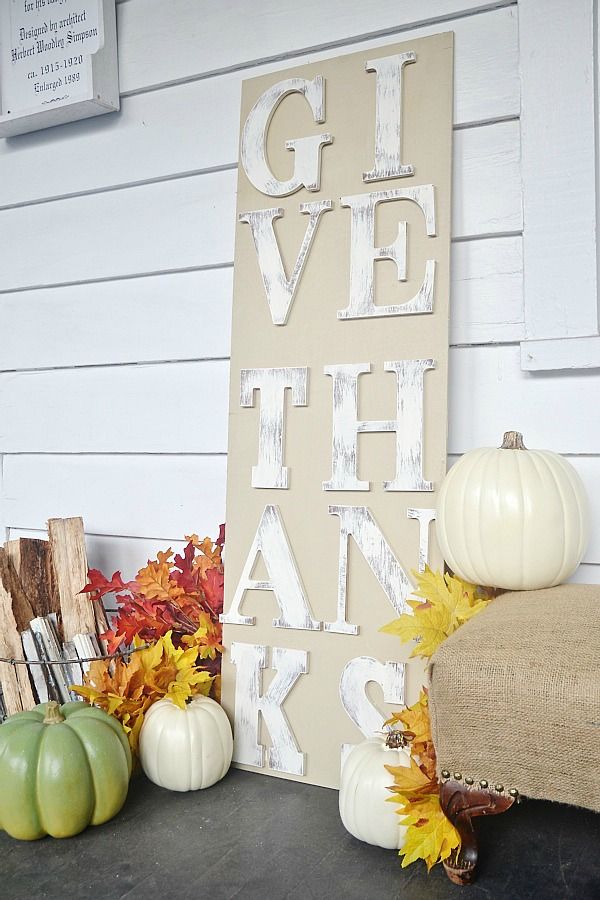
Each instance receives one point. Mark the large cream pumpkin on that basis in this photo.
(512, 518)
(186, 749)
(363, 792)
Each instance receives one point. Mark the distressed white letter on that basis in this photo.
(280, 289)
(388, 118)
(424, 517)
(307, 161)
(272, 384)
(284, 578)
(357, 673)
(250, 660)
(361, 304)
(408, 426)
(358, 522)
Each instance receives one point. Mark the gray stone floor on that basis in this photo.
(252, 836)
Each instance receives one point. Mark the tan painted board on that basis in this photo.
(290, 722)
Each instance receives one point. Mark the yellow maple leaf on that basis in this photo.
(430, 835)
(408, 780)
(448, 602)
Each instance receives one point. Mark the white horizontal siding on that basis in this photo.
(210, 38)
(193, 126)
(187, 315)
(126, 293)
(182, 408)
(189, 222)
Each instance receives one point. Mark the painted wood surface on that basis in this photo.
(189, 222)
(487, 307)
(276, 30)
(138, 146)
(89, 410)
(167, 217)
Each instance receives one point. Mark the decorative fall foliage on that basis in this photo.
(127, 689)
(430, 835)
(447, 603)
(174, 604)
(182, 594)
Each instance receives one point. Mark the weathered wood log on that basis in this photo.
(22, 608)
(69, 564)
(461, 803)
(16, 686)
(31, 559)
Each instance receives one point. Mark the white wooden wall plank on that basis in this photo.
(489, 394)
(189, 222)
(138, 145)
(208, 38)
(182, 407)
(187, 315)
(175, 407)
(559, 167)
(125, 496)
(486, 302)
(161, 497)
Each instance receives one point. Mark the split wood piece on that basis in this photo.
(37, 672)
(21, 607)
(69, 564)
(460, 804)
(47, 641)
(31, 559)
(16, 686)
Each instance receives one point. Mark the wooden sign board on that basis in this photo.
(58, 62)
(338, 404)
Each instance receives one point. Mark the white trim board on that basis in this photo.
(559, 172)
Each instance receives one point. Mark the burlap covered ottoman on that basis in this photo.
(515, 703)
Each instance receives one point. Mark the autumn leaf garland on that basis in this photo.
(173, 605)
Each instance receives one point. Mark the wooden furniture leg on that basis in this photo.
(461, 802)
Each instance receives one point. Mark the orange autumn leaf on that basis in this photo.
(155, 583)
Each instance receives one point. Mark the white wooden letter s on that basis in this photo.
(357, 673)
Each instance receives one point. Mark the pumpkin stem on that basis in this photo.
(395, 740)
(53, 714)
(513, 440)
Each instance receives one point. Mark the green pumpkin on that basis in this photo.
(62, 768)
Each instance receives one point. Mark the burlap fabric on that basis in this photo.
(515, 695)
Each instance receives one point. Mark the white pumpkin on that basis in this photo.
(512, 518)
(363, 793)
(186, 749)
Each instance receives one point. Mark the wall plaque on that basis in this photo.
(58, 62)
(338, 404)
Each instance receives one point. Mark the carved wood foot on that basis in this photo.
(461, 803)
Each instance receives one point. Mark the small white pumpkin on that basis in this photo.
(186, 749)
(512, 518)
(363, 791)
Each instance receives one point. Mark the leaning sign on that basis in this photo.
(338, 403)
(58, 62)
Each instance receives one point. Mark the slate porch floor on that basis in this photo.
(252, 836)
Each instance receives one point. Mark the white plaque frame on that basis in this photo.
(101, 78)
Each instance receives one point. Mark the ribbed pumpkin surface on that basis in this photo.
(514, 519)
(59, 778)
